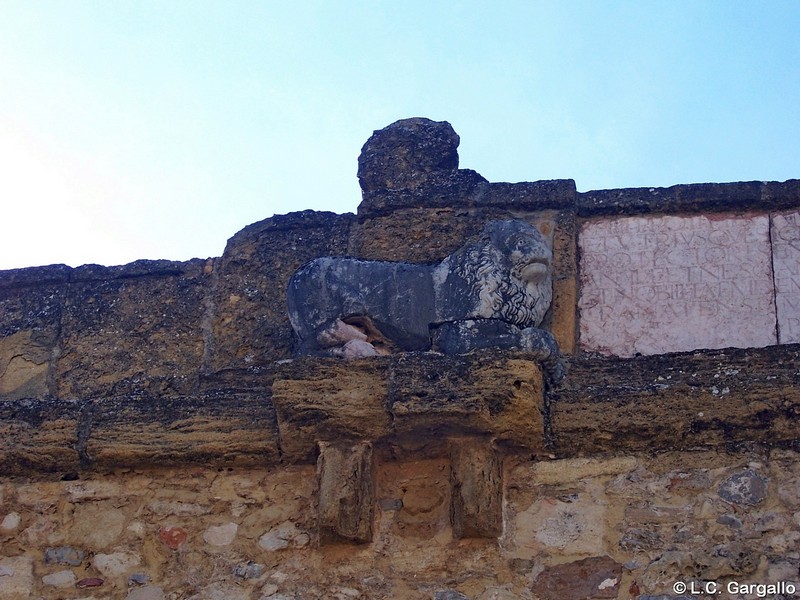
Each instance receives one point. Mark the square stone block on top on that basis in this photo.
(652, 285)
(786, 263)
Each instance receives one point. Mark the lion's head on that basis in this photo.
(507, 272)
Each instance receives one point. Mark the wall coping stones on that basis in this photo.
(690, 198)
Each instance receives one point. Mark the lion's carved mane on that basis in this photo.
(505, 276)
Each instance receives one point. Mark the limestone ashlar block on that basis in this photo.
(483, 393)
(31, 303)
(476, 475)
(132, 329)
(38, 435)
(215, 428)
(651, 285)
(251, 325)
(328, 400)
(785, 236)
(345, 503)
(718, 398)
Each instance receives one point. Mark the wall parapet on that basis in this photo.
(89, 355)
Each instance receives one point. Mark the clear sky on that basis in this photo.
(158, 129)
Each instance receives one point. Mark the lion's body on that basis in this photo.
(504, 276)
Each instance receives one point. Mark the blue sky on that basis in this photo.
(158, 129)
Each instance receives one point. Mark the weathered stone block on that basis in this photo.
(506, 275)
(785, 236)
(476, 474)
(691, 198)
(677, 400)
(346, 493)
(24, 365)
(419, 235)
(669, 284)
(31, 303)
(135, 328)
(404, 153)
(216, 428)
(16, 577)
(480, 393)
(588, 579)
(328, 400)
(251, 325)
(39, 435)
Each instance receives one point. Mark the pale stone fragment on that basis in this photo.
(786, 264)
(79, 491)
(221, 535)
(16, 577)
(281, 537)
(96, 525)
(148, 592)
(117, 563)
(10, 522)
(579, 469)
(651, 285)
(61, 579)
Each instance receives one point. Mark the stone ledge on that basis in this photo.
(694, 198)
(409, 405)
(466, 189)
(677, 401)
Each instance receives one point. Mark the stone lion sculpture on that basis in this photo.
(493, 292)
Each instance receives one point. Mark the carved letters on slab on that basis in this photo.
(786, 263)
(670, 284)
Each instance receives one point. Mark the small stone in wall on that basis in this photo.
(138, 579)
(64, 555)
(221, 535)
(268, 590)
(281, 537)
(148, 592)
(745, 487)
(60, 579)
(595, 577)
(172, 537)
(90, 582)
(16, 577)
(449, 595)
(250, 570)
(113, 565)
(10, 522)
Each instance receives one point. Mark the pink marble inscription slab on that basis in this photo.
(652, 285)
(786, 262)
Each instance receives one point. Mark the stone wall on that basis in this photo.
(159, 438)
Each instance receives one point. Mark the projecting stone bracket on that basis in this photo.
(345, 500)
(476, 476)
(346, 497)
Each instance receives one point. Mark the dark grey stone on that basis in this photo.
(449, 595)
(461, 337)
(138, 579)
(352, 308)
(64, 555)
(745, 487)
(730, 521)
(388, 504)
(248, 570)
(405, 152)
